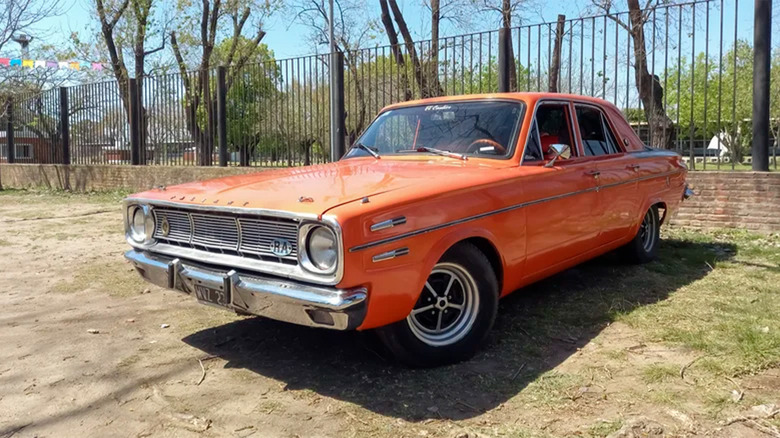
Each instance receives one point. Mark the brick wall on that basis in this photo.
(743, 200)
(96, 178)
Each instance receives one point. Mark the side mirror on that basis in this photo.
(561, 150)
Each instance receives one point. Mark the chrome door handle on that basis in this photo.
(594, 173)
(634, 167)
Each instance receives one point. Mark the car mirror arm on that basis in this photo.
(559, 150)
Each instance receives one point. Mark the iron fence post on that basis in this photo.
(65, 125)
(222, 116)
(134, 119)
(762, 46)
(504, 63)
(337, 112)
(9, 136)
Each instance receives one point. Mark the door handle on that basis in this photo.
(594, 173)
(634, 167)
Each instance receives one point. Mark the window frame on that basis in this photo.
(514, 139)
(605, 123)
(576, 150)
(17, 155)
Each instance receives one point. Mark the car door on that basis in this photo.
(562, 198)
(616, 176)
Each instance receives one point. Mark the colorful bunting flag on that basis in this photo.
(43, 63)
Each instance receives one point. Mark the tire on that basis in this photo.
(644, 247)
(461, 294)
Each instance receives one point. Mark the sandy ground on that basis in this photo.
(88, 349)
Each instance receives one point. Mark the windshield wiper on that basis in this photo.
(443, 153)
(372, 152)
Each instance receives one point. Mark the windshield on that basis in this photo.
(485, 129)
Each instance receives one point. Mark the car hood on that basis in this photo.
(317, 189)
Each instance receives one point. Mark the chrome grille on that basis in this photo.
(226, 233)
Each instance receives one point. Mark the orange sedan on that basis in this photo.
(440, 208)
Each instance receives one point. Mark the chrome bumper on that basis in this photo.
(297, 303)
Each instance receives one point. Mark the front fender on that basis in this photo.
(394, 291)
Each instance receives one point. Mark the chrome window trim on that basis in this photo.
(296, 272)
(546, 101)
(503, 210)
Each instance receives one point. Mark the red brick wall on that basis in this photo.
(743, 200)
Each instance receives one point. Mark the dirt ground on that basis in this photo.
(688, 345)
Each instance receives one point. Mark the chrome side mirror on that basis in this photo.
(561, 150)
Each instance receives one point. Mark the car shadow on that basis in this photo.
(537, 328)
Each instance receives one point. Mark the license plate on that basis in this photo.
(212, 296)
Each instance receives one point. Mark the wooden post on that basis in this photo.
(555, 65)
(65, 125)
(504, 59)
(222, 116)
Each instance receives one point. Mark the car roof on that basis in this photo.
(529, 98)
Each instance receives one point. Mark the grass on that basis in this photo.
(657, 373)
(115, 278)
(730, 314)
(27, 196)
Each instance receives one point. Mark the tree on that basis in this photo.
(507, 10)
(648, 86)
(189, 48)
(427, 78)
(727, 95)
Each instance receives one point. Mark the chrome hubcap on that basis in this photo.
(648, 231)
(447, 307)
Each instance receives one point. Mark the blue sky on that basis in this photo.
(287, 40)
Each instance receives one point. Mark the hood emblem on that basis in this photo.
(280, 247)
(305, 199)
(165, 227)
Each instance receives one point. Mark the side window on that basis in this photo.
(554, 123)
(597, 137)
(533, 151)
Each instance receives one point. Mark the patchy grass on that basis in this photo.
(115, 278)
(16, 196)
(730, 314)
(4, 242)
(657, 373)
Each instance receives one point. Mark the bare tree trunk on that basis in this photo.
(435, 20)
(649, 86)
(555, 67)
(426, 90)
(395, 48)
(506, 15)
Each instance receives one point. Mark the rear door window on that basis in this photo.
(597, 137)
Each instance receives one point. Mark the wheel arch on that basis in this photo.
(481, 238)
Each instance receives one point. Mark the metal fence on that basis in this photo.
(681, 73)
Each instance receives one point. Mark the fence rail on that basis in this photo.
(681, 73)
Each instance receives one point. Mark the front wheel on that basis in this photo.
(453, 315)
(644, 247)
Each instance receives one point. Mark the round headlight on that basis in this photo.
(137, 224)
(321, 248)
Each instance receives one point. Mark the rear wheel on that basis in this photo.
(453, 315)
(644, 246)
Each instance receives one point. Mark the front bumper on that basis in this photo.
(294, 302)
